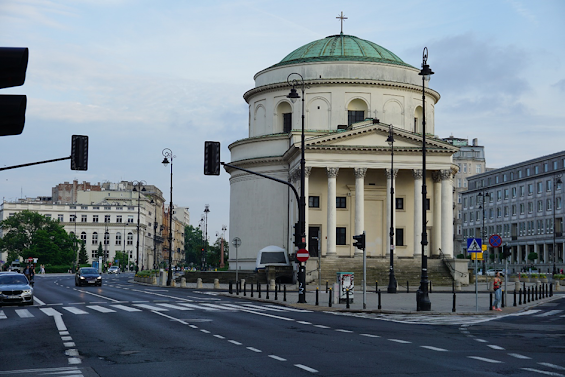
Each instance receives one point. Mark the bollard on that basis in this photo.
(551, 290)
(529, 295)
(327, 286)
(330, 299)
(216, 283)
(276, 293)
(430, 286)
(514, 297)
(347, 298)
(317, 291)
(237, 287)
(379, 307)
(199, 283)
(536, 293)
(244, 288)
(284, 292)
(453, 286)
(502, 303)
(407, 286)
(267, 292)
(520, 297)
(251, 286)
(230, 288)
(454, 300)
(258, 289)
(490, 301)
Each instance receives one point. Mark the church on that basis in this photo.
(356, 93)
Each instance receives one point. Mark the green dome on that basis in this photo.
(341, 48)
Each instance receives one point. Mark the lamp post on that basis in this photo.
(224, 228)
(293, 96)
(483, 233)
(422, 298)
(168, 154)
(556, 181)
(391, 277)
(205, 248)
(138, 186)
(154, 235)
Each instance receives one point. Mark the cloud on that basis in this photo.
(560, 85)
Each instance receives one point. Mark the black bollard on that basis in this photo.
(430, 286)
(514, 297)
(267, 291)
(535, 293)
(347, 298)
(529, 295)
(237, 288)
(258, 289)
(245, 289)
(376, 286)
(490, 301)
(407, 286)
(276, 292)
(379, 307)
(251, 285)
(327, 286)
(453, 286)
(317, 293)
(284, 292)
(551, 290)
(231, 288)
(503, 303)
(520, 297)
(330, 298)
(454, 300)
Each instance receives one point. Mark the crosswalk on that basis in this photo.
(34, 311)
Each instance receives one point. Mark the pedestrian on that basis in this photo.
(42, 270)
(496, 285)
(27, 272)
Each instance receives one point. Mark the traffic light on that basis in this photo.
(79, 152)
(506, 252)
(359, 241)
(211, 158)
(298, 232)
(13, 66)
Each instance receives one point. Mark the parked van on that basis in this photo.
(15, 266)
(274, 263)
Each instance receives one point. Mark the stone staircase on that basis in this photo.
(378, 271)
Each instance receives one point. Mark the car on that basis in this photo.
(88, 276)
(15, 289)
(15, 267)
(114, 270)
(493, 272)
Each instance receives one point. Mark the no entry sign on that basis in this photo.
(302, 255)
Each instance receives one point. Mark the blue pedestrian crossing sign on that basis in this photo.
(474, 245)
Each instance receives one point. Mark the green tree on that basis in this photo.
(83, 255)
(193, 244)
(122, 258)
(31, 235)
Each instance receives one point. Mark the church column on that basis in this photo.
(307, 172)
(447, 212)
(390, 204)
(417, 173)
(331, 222)
(437, 229)
(359, 203)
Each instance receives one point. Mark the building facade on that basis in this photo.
(523, 203)
(356, 92)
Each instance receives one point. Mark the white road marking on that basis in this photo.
(346, 331)
(370, 335)
(51, 312)
(193, 326)
(495, 347)
(24, 313)
(66, 338)
(151, 307)
(518, 356)
(171, 306)
(71, 352)
(551, 312)
(308, 369)
(235, 342)
(435, 348)
(304, 322)
(69, 344)
(322, 326)
(286, 308)
(2, 315)
(253, 349)
(100, 309)
(74, 360)
(220, 337)
(277, 357)
(527, 312)
(400, 341)
(193, 306)
(126, 308)
(552, 366)
(547, 373)
(38, 301)
(481, 340)
(485, 359)
(74, 310)
(205, 331)
(94, 294)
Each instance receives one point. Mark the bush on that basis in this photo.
(49, 269)
(535, 276)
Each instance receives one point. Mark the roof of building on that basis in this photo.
(341, 47)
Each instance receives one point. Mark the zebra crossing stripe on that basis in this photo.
(171, 306)
(151, 307)
(2, 315)
(551, 312)
(527, 312)
(50, 312)
(126, 308)
(24, 313)
(193, 306)
(74, 310)
(101, 309)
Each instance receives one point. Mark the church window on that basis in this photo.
(287, 122)
(340, 202)
(354, 116)
(399, 203)
(314, 201)
(340, 236)
(399, 237)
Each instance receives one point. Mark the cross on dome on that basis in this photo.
(342, 17)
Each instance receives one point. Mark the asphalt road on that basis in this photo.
(125, 329)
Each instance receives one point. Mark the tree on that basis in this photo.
(83, 255)
(193, 244)
(31, 235)
(122, 258)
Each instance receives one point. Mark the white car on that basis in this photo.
(114, 270)
(492, 272)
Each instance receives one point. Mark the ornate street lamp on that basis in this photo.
(391, 277)
(293, 96)
(205, 248)
(168, 154)
(556, 181)
(138, 187)
(422, 298)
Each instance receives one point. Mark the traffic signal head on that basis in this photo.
(211, 158)
(359, 241)
(298, 233)
(506, 252)
(13, 66)
(79, 152)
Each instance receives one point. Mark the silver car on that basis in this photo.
(15, 289)
(114, 270)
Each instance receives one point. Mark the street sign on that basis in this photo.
(495, 240)
(302, 255)
(477, 256)
(474, 245)
(236, 242)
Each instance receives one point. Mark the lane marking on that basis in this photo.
(547, 373)
(94, 294)
(346, 331)
(24, 313)
(2, 315)
(74, 310)
(304, 322)
(434, 348)
(100, 309)
(308, 369)
(518, 356)
(220, 337)
(193, 306)
(485, 359)
(551, 312)
(126, 308)
(38, 301)
(171, 306)
(481, 340)
(552, 366)
(235, 342)
(253, 349)
(494, 347)
(51, 312)
(527, 312)
(286, 308)
(277, 357)
(370, 335)
(151, 307)
(399, 341)
(205, 331)
(322, 326)
(66, 338)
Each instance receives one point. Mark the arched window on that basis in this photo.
(284, 118)
(418, 116)
(130, 238)
(106, 238)
(118, 238)
(83, 237)
(95, 238)
(356, 111)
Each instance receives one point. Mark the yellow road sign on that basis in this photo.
(477, 256)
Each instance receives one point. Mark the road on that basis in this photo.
(125, 329)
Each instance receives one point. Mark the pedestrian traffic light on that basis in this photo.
(13, 66)
(359, 241)
(79, 152)
(506, 252)
(211, 158)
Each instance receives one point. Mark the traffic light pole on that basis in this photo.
(35, 163)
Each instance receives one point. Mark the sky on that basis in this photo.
(139, 76)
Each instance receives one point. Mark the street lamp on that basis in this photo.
(556, 181)
(205, 248)
(154, 235)
(168, 154)
(138, 187)
(483, 233)
(422, 298)
(391, 277)
(293, 96)
(224, 228)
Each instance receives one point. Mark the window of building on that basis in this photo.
(119, 218)
(545, 167)
(464, 168)
(522, 191)
(458, 182)
(94, 254)
(548, 204)
(130, 238)
(106, 218)
(73, 218)
(119, 238)
(61, 217)
(491, 213)
(464, 217)
(340, 202)
(513, 192)
(314, 201)
(84, 207)
(513, 209)
(519, 173)
(130, 219)
(511, 175)
(83, 237)
(427, 204)
(471, 216)
(540, 187)
(399, 203)
(505, 194)
(530, 207)
(530, 189)
(83, 218)
(536, 169)
(354, 116)
(106, 238)
(506, 211)
(499, 195)
(548, 185)
(498, 212)
(399, 237)
(554, 165)
(540, 206)
(479, 169)
(522, 208)
(558, 202)
(527, 172)
(287, 122)
(496, 179)
(95, 238)
(340, 236)
(464, 202)
(94, 218)
(504, 177)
